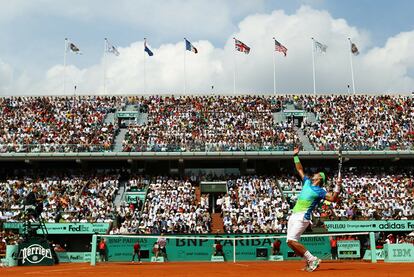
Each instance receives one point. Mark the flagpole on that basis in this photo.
(234, 69)
(185, 77)
(274, 70)
(313, 66)
(145, 70)
(352, 66)
(104, 65)
(64, 64)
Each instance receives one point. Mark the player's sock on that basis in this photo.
(308, 256)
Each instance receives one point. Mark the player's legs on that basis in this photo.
(296, 227)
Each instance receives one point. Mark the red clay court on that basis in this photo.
(290, 268)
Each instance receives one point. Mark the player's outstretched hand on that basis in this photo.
(296, 150)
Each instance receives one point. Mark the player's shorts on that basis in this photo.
(297, 225)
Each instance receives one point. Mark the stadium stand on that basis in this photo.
(66, 198)
(362, 122)
(57, 124)
(171, 208)
(210, 123)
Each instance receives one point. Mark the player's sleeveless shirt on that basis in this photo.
(309, 197)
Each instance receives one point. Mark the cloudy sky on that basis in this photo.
(33, 32)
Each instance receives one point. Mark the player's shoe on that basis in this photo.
(313, 265)
(306, 267)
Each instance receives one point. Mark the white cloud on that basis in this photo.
(6, 77)
(380, 69)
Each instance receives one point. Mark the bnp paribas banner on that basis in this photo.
(65, 228)
(369, 226)
(183, 249)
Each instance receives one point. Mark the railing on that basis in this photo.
(182, 147)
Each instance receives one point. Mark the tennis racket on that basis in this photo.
(340, 158)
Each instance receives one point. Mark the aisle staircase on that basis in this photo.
(198, 195)
(119, 197)
(217, 225)
(306, 144)
(119, 139)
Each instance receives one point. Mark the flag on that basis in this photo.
(241, 47)
(280, 48)
(111, 49)
(320, 47)
(72, 47)
(146, 49)
(190, 47)
(354, 49)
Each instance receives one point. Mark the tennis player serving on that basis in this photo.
(310, 196)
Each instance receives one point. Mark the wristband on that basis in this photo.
(296, 159)
(337, 189)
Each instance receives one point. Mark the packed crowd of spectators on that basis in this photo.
(360, 122)
(253, 205)
(61, 198)
(374, 195)
(206, 123)
(57, 124)
(210, 123)
(171, 207)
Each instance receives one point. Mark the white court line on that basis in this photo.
(55, 270)
(245, 265)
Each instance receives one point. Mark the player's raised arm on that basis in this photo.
(298, 165)
(334, 197)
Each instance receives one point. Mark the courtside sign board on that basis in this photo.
(401, 252)
(369, 226)
(65, 228)
(349, 249)
(35, 251)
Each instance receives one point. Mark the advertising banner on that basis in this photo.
(369, 226)
(402, 252)
(65, 228)
(378, 252)
(349, 249)
(120, 248)
(35, 251)
(131, 197)
(74, 257)
(12, 252)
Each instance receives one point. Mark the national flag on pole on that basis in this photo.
(111, 49)
(241, 47)
(320, 47)
(190, 47)
(146, 49)
(73, 48)
(354, 49)
(280, 48)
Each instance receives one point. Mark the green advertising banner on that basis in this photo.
(378, 252)
(131, 197)
(402, 252)
(349, 249)
(74, 257)
(65, 228)
(120, 248)
(12, 252)
(369, 226)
